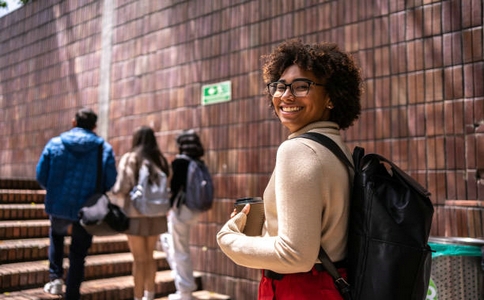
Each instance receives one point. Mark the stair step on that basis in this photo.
(118, 288)
(23, 229)
(24, 275)
(22, 211)
(23, 250)
(17, 183)
(22, 196)
(204, 295)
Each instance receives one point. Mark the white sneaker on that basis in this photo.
(148, 296)
(54, 287)
(181, 296)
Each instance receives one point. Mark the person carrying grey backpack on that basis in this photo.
(144, 229)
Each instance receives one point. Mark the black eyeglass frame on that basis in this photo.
(290, 86)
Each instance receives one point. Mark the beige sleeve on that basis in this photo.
(125, 180)
(299, 206)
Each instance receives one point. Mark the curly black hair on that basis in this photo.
(337, 70)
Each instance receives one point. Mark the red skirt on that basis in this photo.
(310, 285)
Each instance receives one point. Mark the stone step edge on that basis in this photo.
(40, 242)
(121, 282)
(204, 295)
(22, 212)
(15, 250)
(19, 183)
(22, 196)
(20, 276)
(23, 191)
(89, 287)
(91, 260)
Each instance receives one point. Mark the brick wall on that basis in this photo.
(423, 102)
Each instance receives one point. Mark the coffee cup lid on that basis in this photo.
(248, 200)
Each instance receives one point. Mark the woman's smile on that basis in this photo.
(291, 109)
(297, 112)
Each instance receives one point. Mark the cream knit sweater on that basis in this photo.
(306, 204)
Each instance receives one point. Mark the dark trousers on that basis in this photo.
(80, 243)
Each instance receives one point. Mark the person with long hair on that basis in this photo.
(143, 231)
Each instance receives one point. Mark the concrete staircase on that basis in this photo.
(24, 230)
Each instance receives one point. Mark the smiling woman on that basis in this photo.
(329, 66)
(303, 103)
(311, 88)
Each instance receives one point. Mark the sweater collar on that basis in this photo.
(320, 126)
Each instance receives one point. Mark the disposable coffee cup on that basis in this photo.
(255, 218)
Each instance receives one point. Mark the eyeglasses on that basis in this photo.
(299, 87)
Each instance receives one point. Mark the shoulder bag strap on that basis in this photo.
(99, 168)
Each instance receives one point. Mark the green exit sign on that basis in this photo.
(216, 93)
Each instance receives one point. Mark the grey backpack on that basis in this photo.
(151, 199)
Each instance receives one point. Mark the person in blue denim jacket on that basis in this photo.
(67, 169)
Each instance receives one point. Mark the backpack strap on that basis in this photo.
(358, 154)
(99, 174)
(396, 170)
(184, 156)
(143, 172)
(342, 285)
(330, 144)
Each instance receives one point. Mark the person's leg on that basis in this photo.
(166, 240)
(57, 232)
(137, 246)
(81, 241)
(179, 223)
(151, 267)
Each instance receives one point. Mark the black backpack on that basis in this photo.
(389, 226)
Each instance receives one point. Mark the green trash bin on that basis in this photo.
(457, 269)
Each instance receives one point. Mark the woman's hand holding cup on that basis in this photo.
(245, 210)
